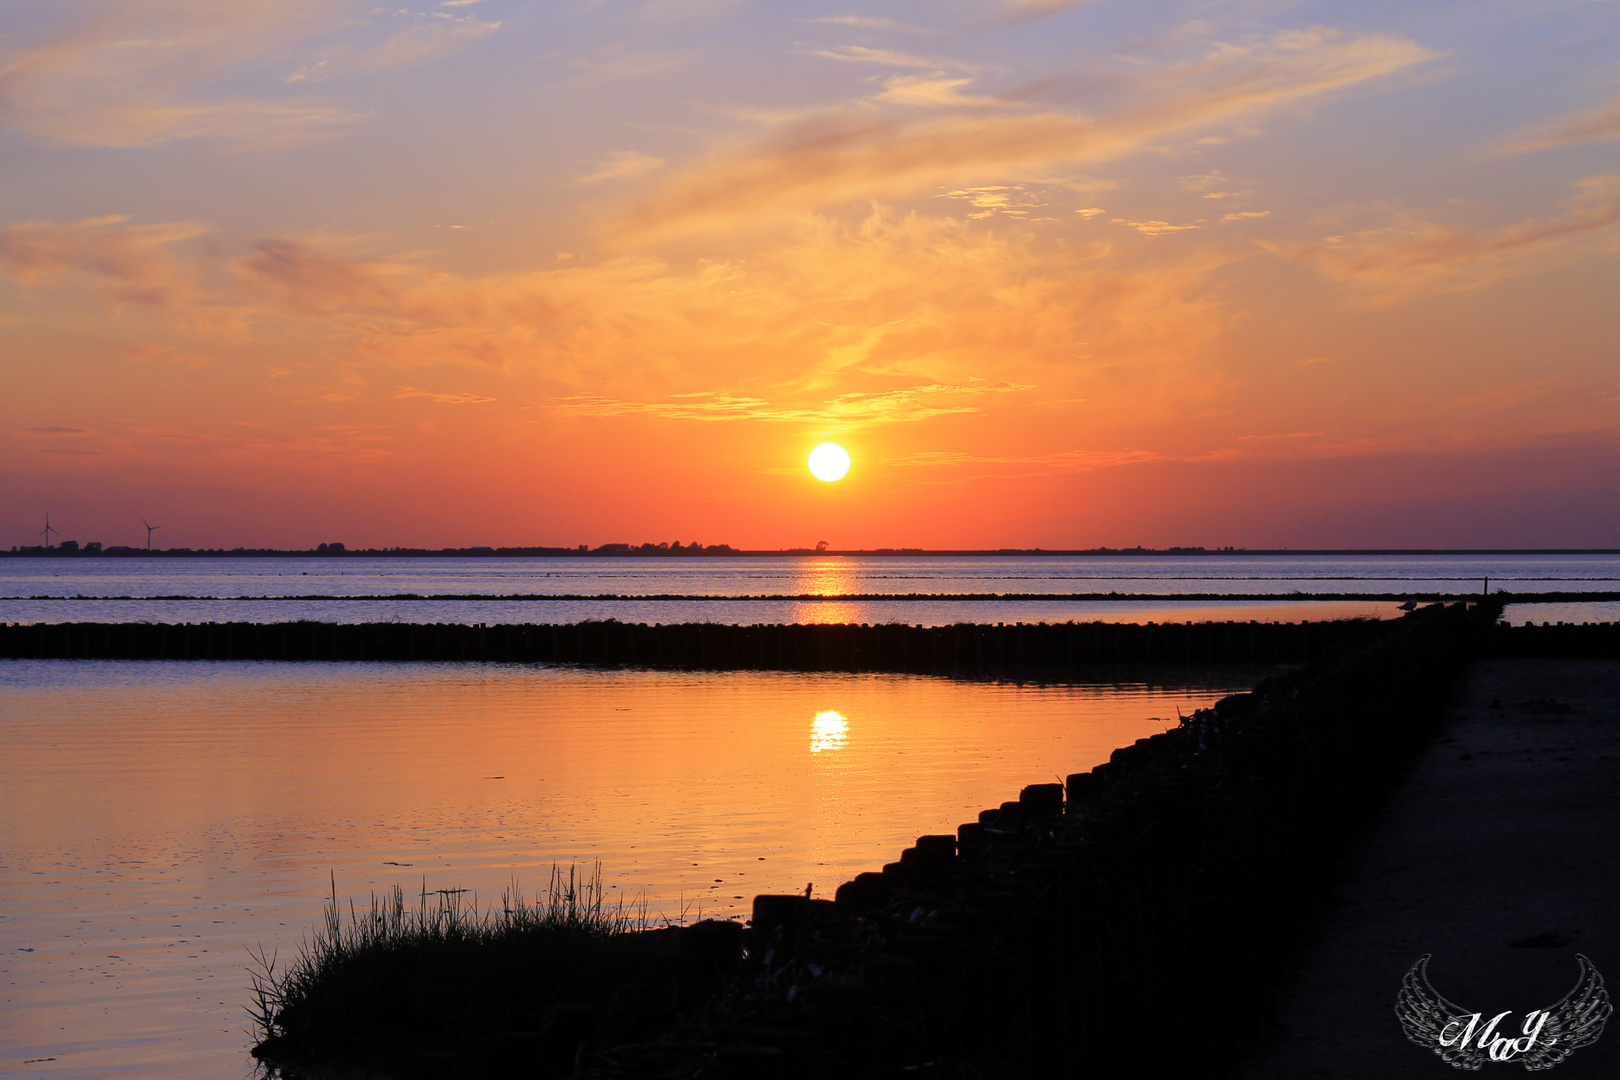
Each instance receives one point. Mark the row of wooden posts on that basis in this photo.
(959, 648)
(1131, 921)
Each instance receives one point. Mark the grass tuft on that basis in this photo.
(442, 974)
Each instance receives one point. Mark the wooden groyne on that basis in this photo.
(1566, 641)
(959, 649)
(1130, 921)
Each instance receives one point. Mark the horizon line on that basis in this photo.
(696, 550)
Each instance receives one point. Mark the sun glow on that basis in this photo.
(829, 462)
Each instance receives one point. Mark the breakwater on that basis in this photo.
(960, 649)
(1129, 921)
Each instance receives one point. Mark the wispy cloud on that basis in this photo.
(910, 403)
(1593, 125)
(871, 22)
(627, 60)
(842, 325)
(131, 75)
(428, 38)
(1062, 461)
(1154, 228)
(442, 399)
(623, 165)
(1419, 258)
(993, 199)
(860, 154)
(861, 54)
(131, 263)
(165, 354)
(1016, 11)
(143, 73)
(934, 91)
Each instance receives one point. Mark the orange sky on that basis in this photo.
(1056, 274)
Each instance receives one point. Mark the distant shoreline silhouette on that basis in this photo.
(94, 549)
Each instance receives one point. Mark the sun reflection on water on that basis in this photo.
(828, 731)
(826, 577)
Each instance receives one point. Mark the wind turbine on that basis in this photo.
(150, 529)
(47, 530)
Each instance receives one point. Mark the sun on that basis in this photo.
(829, 462)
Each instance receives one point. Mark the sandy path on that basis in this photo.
(1508, 828)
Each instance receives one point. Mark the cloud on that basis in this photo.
(860, 54)
(861, 153)
(421, 44)
(911, 403)
(1062, 461)
(132, 263)
(868, 22)
(442, 399)
(933, 91)
(623, 165)
(885, 320)
(136, 72)
(143, 73)
(1243, 215)
(1016, 11)
(1154, 228)
(166, 354)
(992, 199)
(1594, 125)
(1419, 258)
(57, 431)
(624, 60)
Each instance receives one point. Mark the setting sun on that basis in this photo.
(829, 462)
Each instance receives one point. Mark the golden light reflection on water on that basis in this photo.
(159, 818)
(826, 577)
(828, 731)
(828, 612)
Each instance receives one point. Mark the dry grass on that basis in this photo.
(442, 972)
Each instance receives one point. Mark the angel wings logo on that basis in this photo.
(1464, 1040)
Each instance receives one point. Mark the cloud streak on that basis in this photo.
(908, 404)
(1062, 461)
(858, 154)
(144, 73)
(1595, 125)
(624, 165)
(132, 263)
(1419, 258)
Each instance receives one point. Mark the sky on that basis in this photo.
(1057, 274)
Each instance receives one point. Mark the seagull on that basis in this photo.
(1410, 605)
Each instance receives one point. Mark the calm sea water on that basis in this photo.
(159, 819)
(927, 591)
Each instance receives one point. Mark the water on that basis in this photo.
(158, 819)
(871, 589)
